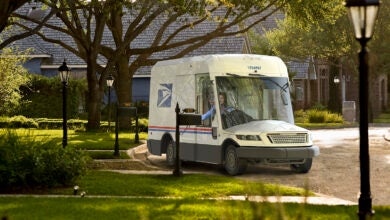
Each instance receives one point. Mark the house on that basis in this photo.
(312, 82)
(45, 57)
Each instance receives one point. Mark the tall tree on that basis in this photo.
(331, 40)
(380, 45)
(8, 7)
(322, 38)
(12, 76)
(173, 28)
(327, 41)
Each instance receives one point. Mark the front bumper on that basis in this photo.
(278, 152)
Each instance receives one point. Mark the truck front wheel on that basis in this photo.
(234, 165)
(171, 153)
(304, 167)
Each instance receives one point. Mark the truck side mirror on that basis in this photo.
(284, 98)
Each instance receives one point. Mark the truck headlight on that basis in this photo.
(310, 137)
(248, 137)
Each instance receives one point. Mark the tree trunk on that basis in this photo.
(123, 87)
(94, 97)
(93, 106)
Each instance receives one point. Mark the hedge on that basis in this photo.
(47, 123)
(44, 97)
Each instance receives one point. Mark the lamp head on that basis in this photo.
(110, 80)
(363, 14)
(64, 72)
(336, 80)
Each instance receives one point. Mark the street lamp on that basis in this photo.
(336, 80)
(363, 14)
(64, 75)
(110, 81)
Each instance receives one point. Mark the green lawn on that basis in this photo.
(82, 139)
(102, 143)
(150, 208)
(188, 186)
(169, 197)
(158, 196)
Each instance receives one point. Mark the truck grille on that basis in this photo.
(299, 138)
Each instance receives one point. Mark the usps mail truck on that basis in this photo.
(246, 112)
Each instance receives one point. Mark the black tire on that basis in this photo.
(171, 153)
(304, 167)
(234, 165)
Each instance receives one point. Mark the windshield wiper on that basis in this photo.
(232, 74)
(263, 77)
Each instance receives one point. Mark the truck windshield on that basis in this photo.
(253, 98)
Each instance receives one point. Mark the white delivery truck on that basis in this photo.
(254, 122)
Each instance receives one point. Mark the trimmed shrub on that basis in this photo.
(318, 116)
(142, 125)
(334, 118)
(26, 163)
(4, 121)
(17, 122)
(22, 122)
(42, 123)
(74, 124)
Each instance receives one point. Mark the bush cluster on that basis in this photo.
(25, 163)
(18, 122)
(323, 116)
(42, 123)
(75, 124)
(46, 123)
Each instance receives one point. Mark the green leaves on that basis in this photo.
(27, 163)
(12, 76)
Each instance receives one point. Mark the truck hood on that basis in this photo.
(266, 126)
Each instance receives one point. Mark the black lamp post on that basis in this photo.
(363, 14)
(110, 82)
(64, 75)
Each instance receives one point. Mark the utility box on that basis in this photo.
(349, 111)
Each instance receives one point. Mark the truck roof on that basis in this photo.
(221, 64)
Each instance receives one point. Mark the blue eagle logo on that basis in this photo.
(164, 98)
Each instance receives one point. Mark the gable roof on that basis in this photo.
(53, 55)
(57, 54)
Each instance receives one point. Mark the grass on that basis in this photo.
(178, 198)
(83, 140)
(324, 125)
(188, 186)
(181, 198)
(144, 208)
